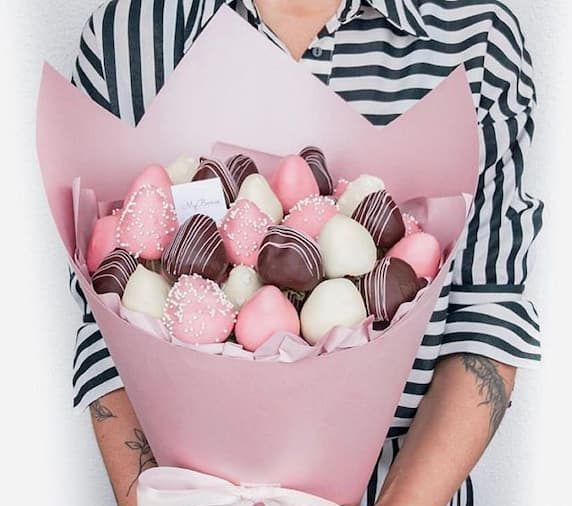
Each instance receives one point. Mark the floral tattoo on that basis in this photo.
(146, 459)
(100, 412)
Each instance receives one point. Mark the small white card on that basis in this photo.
(199, 197)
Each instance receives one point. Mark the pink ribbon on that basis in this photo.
(173, 486)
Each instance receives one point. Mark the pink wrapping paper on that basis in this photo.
(316, 425)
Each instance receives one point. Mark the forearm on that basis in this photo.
(456, 420)
(124, 448)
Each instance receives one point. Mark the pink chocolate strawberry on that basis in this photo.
(147, 223)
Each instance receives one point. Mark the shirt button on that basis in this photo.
(317, 52)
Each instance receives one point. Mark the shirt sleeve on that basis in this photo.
(94, 374)
(489, 314)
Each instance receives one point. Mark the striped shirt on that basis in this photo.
(381, 56)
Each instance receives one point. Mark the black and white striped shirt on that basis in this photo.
(381, 56)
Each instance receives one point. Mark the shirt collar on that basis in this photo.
(403, 14)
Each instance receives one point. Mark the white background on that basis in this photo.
(49, 453)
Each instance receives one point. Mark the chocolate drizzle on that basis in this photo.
(114, 272)
(296, 298)
(391, 283)
(196, 248)
(209, 169)
(241, 166)
(289, 259)
(379, 214)
(316, 160)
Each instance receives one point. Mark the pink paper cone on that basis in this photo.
(315, 425)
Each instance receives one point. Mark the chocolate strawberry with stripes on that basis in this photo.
(114, 272)
(391, 283)
(316, 160)
(196, 248)
(209, 169)
(381, 216)
(241, 166)
(290, 259)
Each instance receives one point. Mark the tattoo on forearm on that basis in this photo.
(146, 459)
(100, 412)
(491, 387)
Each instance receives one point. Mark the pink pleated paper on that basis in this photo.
(315, 425)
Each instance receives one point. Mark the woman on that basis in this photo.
(381, 56)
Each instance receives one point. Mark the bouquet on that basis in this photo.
(315, 424)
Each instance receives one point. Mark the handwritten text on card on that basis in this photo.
(199, 197)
